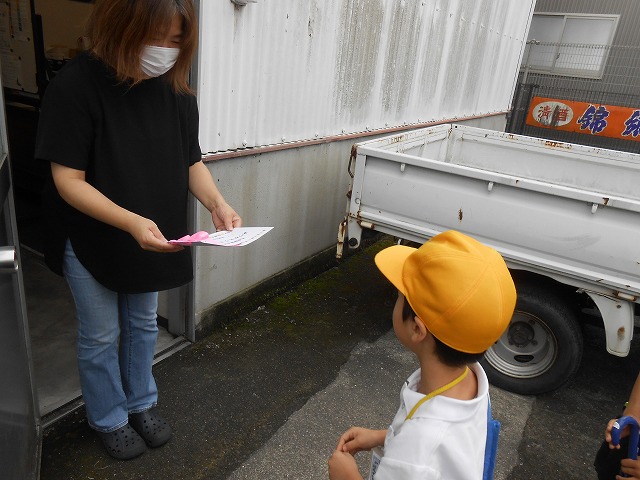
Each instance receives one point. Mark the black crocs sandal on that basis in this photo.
(123, 443)
(151, 427)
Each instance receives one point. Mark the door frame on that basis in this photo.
(20, 422)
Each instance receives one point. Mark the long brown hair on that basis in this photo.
(119, 30)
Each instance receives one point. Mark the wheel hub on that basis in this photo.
(520, 334)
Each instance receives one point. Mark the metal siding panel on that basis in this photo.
(290, 70)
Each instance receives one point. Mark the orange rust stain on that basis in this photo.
(549, 143)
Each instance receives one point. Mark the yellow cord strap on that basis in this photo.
(438, 391)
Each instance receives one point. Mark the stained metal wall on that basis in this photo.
(280, 71)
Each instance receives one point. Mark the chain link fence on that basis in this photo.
(585, 94)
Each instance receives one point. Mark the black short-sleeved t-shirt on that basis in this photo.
(135, 145)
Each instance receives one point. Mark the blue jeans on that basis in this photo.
(116, 341)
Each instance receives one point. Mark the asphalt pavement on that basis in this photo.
(267, 394)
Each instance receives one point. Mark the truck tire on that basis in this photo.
(541, 348)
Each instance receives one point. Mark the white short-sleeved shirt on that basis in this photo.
(445, 439)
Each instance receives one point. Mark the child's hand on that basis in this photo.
(357, 439)
(342, 466)
(631, 468)
(607, 433)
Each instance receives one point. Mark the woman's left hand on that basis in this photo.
(201, 184)
(225, 218)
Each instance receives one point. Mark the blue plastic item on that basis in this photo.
(634, 431)
(491, 448)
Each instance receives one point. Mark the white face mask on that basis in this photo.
(156, 61)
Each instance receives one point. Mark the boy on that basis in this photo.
(455, 299)
(612, 459)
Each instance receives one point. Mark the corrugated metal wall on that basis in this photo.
(280, 71)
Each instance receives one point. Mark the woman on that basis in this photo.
(119, 125)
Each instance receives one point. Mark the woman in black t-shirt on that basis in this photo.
(119, 125)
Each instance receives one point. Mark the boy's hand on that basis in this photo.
(357, 439)
(607, 433)
(342, 466)
(631, 468)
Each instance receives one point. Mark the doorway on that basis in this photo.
(40, 37)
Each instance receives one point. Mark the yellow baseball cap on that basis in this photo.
(461, 289)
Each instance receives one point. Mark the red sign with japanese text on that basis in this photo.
(592, 118)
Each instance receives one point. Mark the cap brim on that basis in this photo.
(390, 262)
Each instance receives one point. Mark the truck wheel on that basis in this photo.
(541, 348)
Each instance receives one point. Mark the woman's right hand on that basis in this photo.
(149, 236)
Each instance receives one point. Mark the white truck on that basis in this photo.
(565, 217)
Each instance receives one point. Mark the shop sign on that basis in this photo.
(582, 117)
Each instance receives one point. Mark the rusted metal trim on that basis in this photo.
(352, 159)
(245, 152)
(342, 231)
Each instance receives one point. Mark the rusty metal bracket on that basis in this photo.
(352, 159)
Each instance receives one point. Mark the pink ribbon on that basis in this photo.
(196, 237)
